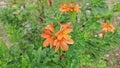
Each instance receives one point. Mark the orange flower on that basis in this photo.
(111, 28)
(49, 37)
(77, 8)
(64, 8)
(108, 27)
(71, 7)
(50, 28)
(62, 44)
(67, 25)
(63, 38)
(63, 34)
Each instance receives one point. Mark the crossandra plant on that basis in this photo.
(63, 34)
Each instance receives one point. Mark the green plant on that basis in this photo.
(24, 22)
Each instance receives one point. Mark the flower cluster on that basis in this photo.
(65, 7)
(108, 27)
(48, 35)
(62, 36)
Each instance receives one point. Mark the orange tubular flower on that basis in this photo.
(71, 7)
(67, 25)
(50, 28)
(77, 8)
(64, 8)
(63, 38)
(108, 27)
(49, 37)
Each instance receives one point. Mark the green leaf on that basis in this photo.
(24, 63)
(116, 7)
(4, 52)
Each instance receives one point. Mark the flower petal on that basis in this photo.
(67, 37)
(51, 42)
(44, 35)
(70, 41)
(46, 43)
(50, 27)
(77, 8)
(71, 7)
(64, 46)
(66, 31)
(60, 37)
(64, 8)
(57, 46)
(67, 25)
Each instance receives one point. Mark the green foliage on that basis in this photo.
(116, 7)
(9, 59)
(24, 22)
(4, 52)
